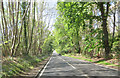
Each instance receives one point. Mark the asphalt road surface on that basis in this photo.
(67, 67)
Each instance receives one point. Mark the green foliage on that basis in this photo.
(17, 66)
(24, 37)
(47, 46)
(76, 28)
(116, 47)
(68, 25)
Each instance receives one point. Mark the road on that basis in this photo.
(67, 67)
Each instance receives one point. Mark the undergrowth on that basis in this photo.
(19, 65)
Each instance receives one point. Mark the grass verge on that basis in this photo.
(102, 62)
(19, 65)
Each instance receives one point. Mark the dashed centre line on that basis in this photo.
(68, 63)
(74, 67)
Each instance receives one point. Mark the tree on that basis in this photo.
(84, 26)
(19, 23)
(104, 14)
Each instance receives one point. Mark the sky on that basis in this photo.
(51, 4)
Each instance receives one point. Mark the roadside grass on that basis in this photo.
(20, 65)
(103, 62)
(90, 60)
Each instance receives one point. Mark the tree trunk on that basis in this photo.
(20, 32)
(32, 31)
(79, 49)
(118, 46)
(16, 29)
(113, 28)
(5, 22)
(104, 28)
(25, 29)
(5, 30)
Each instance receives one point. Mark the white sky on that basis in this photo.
(51, 4)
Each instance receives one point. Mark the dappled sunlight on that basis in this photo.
(58, 38)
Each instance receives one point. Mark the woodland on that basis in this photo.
(87, 28)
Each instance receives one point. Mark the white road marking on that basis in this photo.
(44, 67)
(74, 67)
(97, 64)
(64, 61)
(68, 63)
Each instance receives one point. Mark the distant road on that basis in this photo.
(67, 67)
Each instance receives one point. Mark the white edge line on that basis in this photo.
(44, 68)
